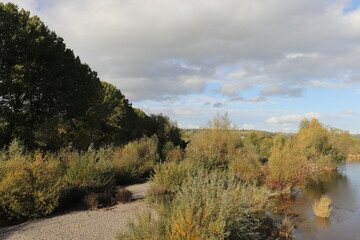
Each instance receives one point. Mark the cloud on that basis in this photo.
(294, 118)
(257, 99)
(282, 91)
(247, 126)
(232, 89)
(328, 85)
(218, 105)
(350, 112)
(185, 111)
(170, 48)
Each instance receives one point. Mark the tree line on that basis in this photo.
(49, 99)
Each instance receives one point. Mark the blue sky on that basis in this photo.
(354, 4)
(268, 64)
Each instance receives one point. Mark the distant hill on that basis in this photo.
(186, 133)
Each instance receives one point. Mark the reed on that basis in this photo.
(322, 207)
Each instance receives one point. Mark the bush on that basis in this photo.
(91, 201)
(322, 207)
(216, 146)
(175, 155)
(145, 227)
(171, 175)
(135, 160)
(98, 200)
(314, 142)
(286, 168)
(123, 195)
(167, 178)
(210, 207)
(247, 166)
(91, 170)
(31, 188)
(214, 207)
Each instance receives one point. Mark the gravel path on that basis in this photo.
(95, 224)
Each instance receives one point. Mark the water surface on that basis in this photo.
(343, 187)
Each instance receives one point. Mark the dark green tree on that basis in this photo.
(43, 86)
(116, 114)
(49, 99)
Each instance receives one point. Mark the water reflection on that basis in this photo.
(322, 222)
(343, 187)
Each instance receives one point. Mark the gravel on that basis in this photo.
(91, 224)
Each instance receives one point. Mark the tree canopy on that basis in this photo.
(40, 79)
(50, 99)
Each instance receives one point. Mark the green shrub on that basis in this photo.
(167, 178)
(146, 227)
(215, 207)
(91, 170)
(322, 207)
(210, 207)
(175, 155)
(31, 188)
(314, 142)
(247, 166)
(135, 160)
(123, 195)
(287, 168)
(171, 175)
(216, 146)
(12, 156)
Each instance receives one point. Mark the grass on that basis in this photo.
(286, 229)
(322, 207)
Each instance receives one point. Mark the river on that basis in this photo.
(343, 187)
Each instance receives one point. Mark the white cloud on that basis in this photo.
(292, 56)
(248, 126)
(185, 111)
(293, 118)
(255, 99)
(351, 112)
(324, 84)
(162, 49)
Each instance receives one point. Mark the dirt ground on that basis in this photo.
(91, 224)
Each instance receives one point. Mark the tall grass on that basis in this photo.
(286, 229)
(322, 207)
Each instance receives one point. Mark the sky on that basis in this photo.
(267, 63)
